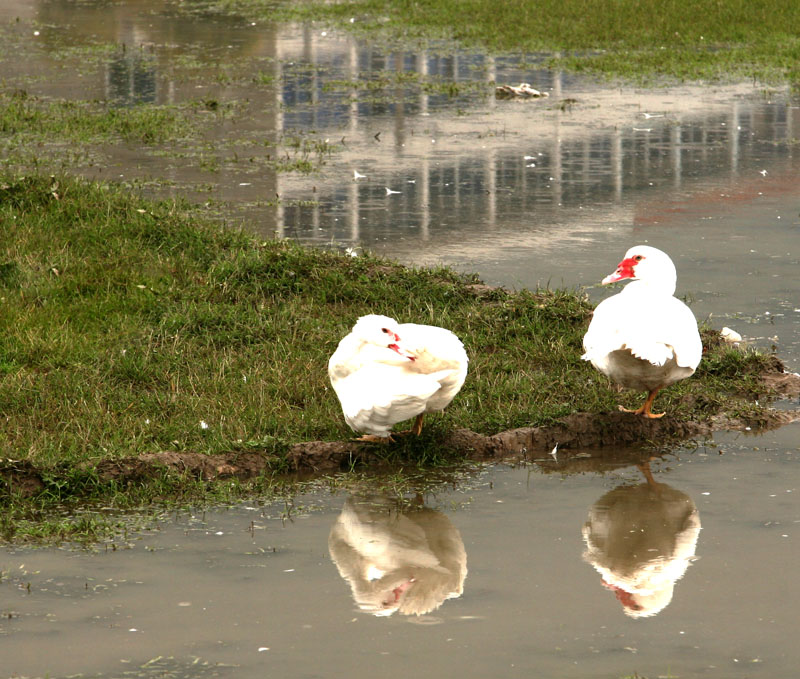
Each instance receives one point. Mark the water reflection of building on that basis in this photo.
(560, 175)
(641, 539)
(601, 171)
(590, 164)
(131, 79)
(408, 559)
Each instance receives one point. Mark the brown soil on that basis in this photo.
(604, 433)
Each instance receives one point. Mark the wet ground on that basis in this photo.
(526, 571)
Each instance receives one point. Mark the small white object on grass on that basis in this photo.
(730, 335)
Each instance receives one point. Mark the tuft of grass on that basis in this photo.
(23, 116)
(676, 39)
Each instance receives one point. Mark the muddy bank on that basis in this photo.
(603, 433)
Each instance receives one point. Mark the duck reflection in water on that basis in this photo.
(641, 539)
(408, 560)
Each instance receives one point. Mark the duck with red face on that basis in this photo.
(644, 338)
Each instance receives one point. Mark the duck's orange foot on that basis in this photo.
(644, 412)
(416, 429)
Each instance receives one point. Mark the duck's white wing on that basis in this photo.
(377, 397)
(435, 343)
(652, 328)
(437, 351)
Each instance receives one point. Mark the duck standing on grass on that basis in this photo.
(644, 338)
(384, 372)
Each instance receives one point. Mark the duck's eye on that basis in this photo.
(638, 258)
(386, 330)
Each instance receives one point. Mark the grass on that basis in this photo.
(634, 39)
(412, 82)
(131, 327)
(80, 121)
(37, 132)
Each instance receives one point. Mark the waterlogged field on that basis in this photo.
(135, 327)
(510, 563)
(640, 40)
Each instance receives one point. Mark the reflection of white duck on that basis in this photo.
(397, 561)
(644, 338)
(384, 372)
(641, 539)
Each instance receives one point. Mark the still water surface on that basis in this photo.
(242, 592)
(532, 571)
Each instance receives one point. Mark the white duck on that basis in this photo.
(644, 338)
(384, 372)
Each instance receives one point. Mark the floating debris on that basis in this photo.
(521, 91)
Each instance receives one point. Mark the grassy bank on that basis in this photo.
(635, 39)
(130, 327)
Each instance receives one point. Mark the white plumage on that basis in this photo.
(409, 561)
(384, 372)
(641, 539)
(644, 338)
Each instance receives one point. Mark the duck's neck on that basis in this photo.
(662, 286)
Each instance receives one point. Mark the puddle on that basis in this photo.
(502, 563)
(537, 192)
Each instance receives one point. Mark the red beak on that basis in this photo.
(399, 349)
(624, 270)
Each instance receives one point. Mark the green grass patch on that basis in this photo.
(411, 81)
(636, 39)
(23, 116)
(131, 327)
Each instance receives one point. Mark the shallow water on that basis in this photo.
(710, 174)
(242, 592)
